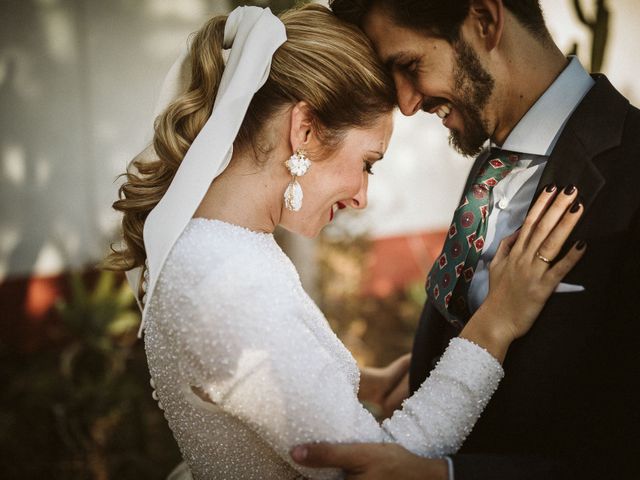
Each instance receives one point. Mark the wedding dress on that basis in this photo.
(245, 366)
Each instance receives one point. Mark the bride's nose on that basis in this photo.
(359, 201)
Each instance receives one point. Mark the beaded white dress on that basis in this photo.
(230, 317)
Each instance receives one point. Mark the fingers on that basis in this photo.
(563, 266)
(552, 245)
(401, 364)
(535, 214)
(394, 399)
(550, 219)
(330, 455)
(505, 246)
(395, 371)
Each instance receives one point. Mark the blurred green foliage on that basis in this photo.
(83, 409)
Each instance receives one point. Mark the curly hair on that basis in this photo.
(325, 62)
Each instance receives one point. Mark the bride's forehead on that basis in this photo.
(374, 140)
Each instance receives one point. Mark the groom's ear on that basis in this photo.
(485, 23)
(301, 126)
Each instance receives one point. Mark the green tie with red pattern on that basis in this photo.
(450, 277)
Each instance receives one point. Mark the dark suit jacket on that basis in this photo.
(569, 405)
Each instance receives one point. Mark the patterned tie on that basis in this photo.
(450, 277)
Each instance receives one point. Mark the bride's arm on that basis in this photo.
(257, 359)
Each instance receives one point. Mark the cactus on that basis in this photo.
(599, 27)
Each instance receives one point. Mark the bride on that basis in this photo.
(269, 122)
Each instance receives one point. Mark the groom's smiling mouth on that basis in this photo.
(444, 110)
(439, 106)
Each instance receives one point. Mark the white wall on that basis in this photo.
(78, 80)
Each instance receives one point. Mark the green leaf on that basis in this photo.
(123, 323)
(104, 288)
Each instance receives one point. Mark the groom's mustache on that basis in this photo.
(433, 102)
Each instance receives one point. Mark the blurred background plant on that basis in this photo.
(82, 408)
(376, 329)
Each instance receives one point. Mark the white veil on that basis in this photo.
(253, 35)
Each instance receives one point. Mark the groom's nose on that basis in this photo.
(409, 99)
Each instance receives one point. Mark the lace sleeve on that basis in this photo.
(256, 359)
(441, 413)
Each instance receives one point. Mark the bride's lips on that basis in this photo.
(340, 206)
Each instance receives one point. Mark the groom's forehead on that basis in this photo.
(395, 44)
(392, 42)
(385, 34)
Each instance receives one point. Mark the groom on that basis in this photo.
(569, 405)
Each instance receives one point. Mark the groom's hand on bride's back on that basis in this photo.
(371, 461)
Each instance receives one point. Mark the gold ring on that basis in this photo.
(544, 259)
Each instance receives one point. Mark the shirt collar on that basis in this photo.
(538, 131)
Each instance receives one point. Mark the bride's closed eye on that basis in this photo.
(371, 157)
(368, 167)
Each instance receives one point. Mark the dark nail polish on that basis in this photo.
(581, 244)
(575, 207)
(569, 190)
(550, 188)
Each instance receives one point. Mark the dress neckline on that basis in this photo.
(231, 226)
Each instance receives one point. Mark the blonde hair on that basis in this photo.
(325, 62)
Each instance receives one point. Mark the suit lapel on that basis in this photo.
(571, 164)
(594, 127)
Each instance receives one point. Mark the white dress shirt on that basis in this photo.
(534, 138)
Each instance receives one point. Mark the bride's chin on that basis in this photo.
(312, 232)
(304, 230)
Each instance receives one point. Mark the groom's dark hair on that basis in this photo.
(440, 18)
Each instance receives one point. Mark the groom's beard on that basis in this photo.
(475, 86)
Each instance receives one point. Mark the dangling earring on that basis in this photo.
(298, 164)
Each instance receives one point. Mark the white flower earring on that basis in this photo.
(298, 164)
